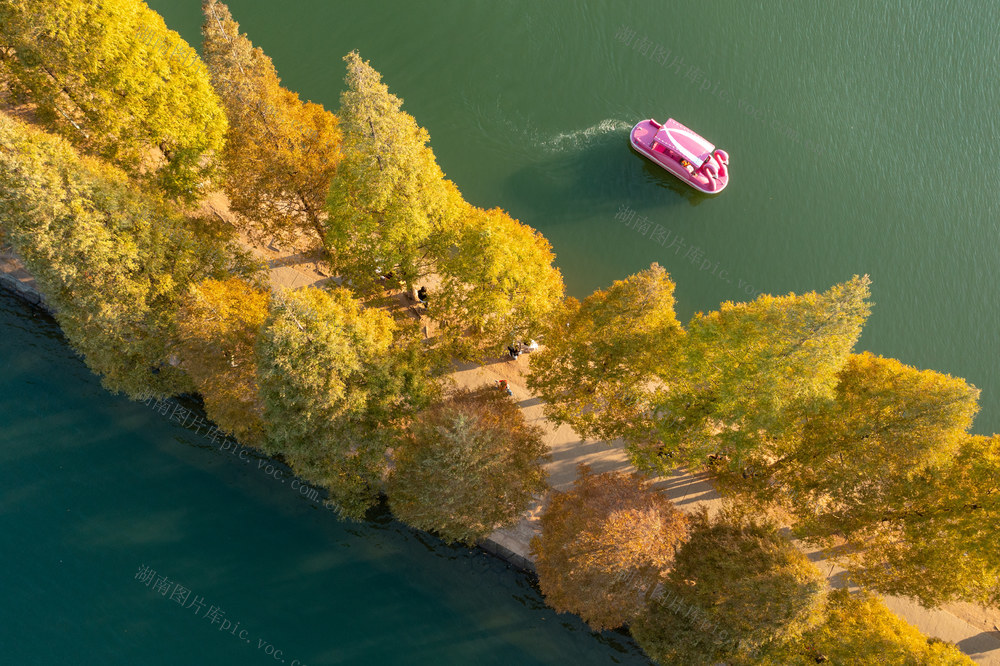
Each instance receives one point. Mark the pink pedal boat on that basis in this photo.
(683, 153)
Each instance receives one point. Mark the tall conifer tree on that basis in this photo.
(280, 153)
(750, 373)
(390, 196)
(604, 358)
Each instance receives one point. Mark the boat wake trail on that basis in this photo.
(570, 141)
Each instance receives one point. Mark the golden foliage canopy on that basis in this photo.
(606, 544)
(281, 153)
(110, 76)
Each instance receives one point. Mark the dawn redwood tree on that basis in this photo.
(109, 76)
(497, 283)
(323, 369)
(605, 546)
(736, 586)
(468, 465)
(747, 375)
(859, 629)
(280, 153)
(217, 329)
(114, 261)
(605, 357)
(389, 196)
(888, 472)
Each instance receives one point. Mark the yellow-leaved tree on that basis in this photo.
(110, 76)
(746, 375)
(606, 545)
(604, 358)
(217, 329)
(281, 153)
(115, 261)
(859, 629)
(497, 284)
(888, 473)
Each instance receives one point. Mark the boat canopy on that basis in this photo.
(685, 142)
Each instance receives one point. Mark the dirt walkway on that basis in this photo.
(975, 630)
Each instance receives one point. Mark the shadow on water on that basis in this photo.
(600, 175)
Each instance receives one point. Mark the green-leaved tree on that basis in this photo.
(469, 465)
(110, 76)
(114, 261)
(389, 196)
(326, 380)
(736, 587)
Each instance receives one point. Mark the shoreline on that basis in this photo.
(512, 544)
(16, 281)
(21, 288)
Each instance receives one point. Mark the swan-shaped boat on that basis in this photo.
(683, 153)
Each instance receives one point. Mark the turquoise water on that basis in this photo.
(93, 487)
(863, 138)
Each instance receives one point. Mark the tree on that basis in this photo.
(747, 375)
(321, 370)
(113, 79)
(859, 629)
(389, 195)
(281, 153)
(217, 328)
(497, 283)
(114, 261)
(605, 546)
(604, 358)
(736, 587)
(469, 465)
(889, 468)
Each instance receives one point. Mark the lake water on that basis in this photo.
(862, 135)
(863, 139)
(95, 489)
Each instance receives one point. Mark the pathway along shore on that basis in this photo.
(974, 630)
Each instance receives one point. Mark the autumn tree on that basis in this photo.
(280, 153)
(469, 465)
(859, 629)
(113, 79)
(605, 546)
(605, 357)
(749, 373)
(497, 283)
(736, 586)
(114, 261)
(389, 195)
(889, 468)
(326, 374)
(217, 329)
